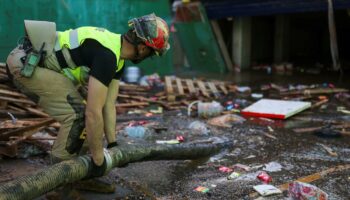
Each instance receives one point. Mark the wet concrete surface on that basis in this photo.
(299, 154)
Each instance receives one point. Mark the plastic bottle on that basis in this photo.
(207, 110)
(132, 74)
(135, 131)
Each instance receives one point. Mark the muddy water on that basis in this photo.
(299, 154)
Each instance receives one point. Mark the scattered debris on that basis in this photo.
(270, 129)
(329, 150)
(233, 175)
(317, 176)
(343, 110)
(198, 127)
(273, 167)
(270, 136)
(226, 120)
(225, 169)
(299, 190)
(242, 167)
(267, 190)
(202, 189)
(264, 177)
(174, 141)
(257, 95)
(144, 106)
(180, 138)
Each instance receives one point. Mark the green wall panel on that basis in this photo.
(110, 14)
(200, 45)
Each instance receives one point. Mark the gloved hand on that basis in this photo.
(112, 144)
(95, 170)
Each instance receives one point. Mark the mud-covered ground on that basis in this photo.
(299, 154)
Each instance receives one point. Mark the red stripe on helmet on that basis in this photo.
(157, 43)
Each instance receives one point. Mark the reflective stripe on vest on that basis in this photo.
(72, 39)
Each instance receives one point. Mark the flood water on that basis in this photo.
(299, 154)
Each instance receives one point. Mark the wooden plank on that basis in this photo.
(221, 43)
(315, 91)
(202, 88)
(3, 71)
(190, 86)
(4, 112)
(223, 88)
(213, 89)
(179, 87)
(20, 123)
(3, 76)
(26, 131)
(37, 112)
(320, 103)
(168, 85)
(14, 108)
(313, 129)
(333, 37)
(25, 101)
(129, 87)
(3, 86)
(162, 103)
(3, 104)
(127, 105)
(169, 88)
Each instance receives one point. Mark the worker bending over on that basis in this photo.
(49, 67)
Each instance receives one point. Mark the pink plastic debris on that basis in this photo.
(303, 191)
(225, 169)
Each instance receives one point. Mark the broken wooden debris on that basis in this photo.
(315, 119)
(313, 129)
(319, 103)
(176, 87)
(315, 91)
(329, 150)
(13, 135)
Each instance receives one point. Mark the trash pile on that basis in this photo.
(144, 100)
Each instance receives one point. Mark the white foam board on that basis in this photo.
(272, 108)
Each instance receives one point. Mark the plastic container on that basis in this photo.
(132, 74)
(206, 110)
(264, 177)
(135, 131)
(198, 127)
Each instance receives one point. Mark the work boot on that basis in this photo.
(99, 185)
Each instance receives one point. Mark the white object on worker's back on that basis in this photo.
(271, 108)
(266, 190)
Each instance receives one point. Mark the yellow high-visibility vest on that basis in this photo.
(72, 39)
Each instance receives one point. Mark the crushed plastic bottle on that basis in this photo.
(264, 177)
(135, 131)
(199, 128)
